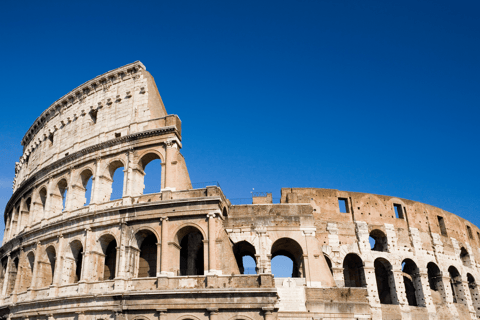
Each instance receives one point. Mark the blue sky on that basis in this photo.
(369, 96)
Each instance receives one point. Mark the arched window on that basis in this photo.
(59, 198)
(27, 272)
(109, 249)
(385, 282)
(43, 199)
(245, 256)
(472, 286)
(50, 268)
(25, 216)
(190, 255)
(465, 257)
(74, 262)
(3, 270)
(435, 282)
(287, 255)
(378, 241)
(147, 260)
(329, 263)
(152, 170)
(117, 176)
(413, 283)
(12, 276)
(87, 181)
(456, 285)
(353, 272)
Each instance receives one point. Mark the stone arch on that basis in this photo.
(353, 272)
(329, 263)
(188, 317)
(27, 270)
(46, 267)
(435, 282)
(141, 318)
(293, 250)
(473, 287)
(42, 203)
(189, 224)
(189, 252)
(12, 274)
(385, 281)
(145, 259)
(139, 175)
(111, 171)
(59, 196)
(380, 240)
(465, 257)
(413, 283)
(242, 249)
(80, 195)
(456, 285)
(107, 262)
(240, 317)
(73, 261)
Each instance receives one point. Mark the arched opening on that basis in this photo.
(413, 283)
(245, 256)
(435, 281)
(385, 282)
(52, 257)
(191, 251)
(87, 180)
(25, 216)
(472, 286)
(73, 263)
(378, 241)
(117, 175)
(147, 258)
(27, 272)
(329, 263)
(353, 272)
(152, 169)
(109, 249)
(465, 257)
(456, 284)
(63, 189)
(12, 276)
(3, 270)
(46, 267)
(43, 199)
(290, 257)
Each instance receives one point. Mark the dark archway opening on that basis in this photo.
(291, 250)
(353, 272)
(191, 251)
(243, 250)
(378, 241)
(385, 281)
(148, 254)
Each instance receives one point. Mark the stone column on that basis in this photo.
(96, 183)
(212, 259)
(427, 297)
(57, 276)
(338, 277)
(171, 150)
(213, 313)
(121, 263)
(400, 287)
(70, 192)
(162, 314)
(159, 253)
(164, 247)
(372, 288)
(268, 313)
(33, 284)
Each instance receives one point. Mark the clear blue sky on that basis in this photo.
(369, 96)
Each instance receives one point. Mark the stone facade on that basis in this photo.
(177, 254)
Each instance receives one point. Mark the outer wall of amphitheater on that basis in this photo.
(178, 253)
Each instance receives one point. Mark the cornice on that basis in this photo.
(81, 153)
(79, 93)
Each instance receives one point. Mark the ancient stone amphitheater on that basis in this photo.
(178, 254)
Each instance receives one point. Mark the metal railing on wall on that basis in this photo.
(201, 185)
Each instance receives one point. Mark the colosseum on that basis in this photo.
(178, 254)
